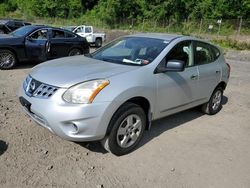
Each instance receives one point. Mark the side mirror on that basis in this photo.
(172, 66)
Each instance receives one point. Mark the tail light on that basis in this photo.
(229, 69)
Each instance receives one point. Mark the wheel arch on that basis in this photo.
(222, 84)
(143, 103)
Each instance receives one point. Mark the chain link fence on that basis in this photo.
(220, 27)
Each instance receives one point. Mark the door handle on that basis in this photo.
(217, 72)
(194, 77)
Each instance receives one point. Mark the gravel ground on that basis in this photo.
(188, 149)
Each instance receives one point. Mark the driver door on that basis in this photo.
(37, 45)
(176, 91)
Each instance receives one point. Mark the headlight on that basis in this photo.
(84, 93)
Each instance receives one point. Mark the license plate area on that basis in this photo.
(25, 103)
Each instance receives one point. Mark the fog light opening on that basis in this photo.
(75, 128)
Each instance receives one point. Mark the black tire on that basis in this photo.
(7, 59)
(214, 105)
(75, 51)
(98, 43)
(129, 112)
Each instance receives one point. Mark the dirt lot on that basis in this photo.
(188, 149)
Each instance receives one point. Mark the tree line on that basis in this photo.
(113, 10)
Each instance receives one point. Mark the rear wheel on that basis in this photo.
(128, 125)
(214, 104)
(7, 59)
(98, 42)
(75, 51)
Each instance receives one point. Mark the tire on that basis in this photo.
(98, 43)
(7, 59)
(127, 123)
(75, 51)
(2, 31)
(214, 105)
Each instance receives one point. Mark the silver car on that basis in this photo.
(114, 94)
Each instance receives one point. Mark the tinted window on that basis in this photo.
(182, 52)
(58, 34)
(19, 24)
(69, 35)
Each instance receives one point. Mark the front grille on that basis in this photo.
(34, 88)
(44, 91)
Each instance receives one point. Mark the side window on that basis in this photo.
(216, 52)
(19, 24)
(79, 30)
(87, 29)
(183, 52)
(57, 34)
(11, 24)
(203, 54)
(69, 35)
(39, 35)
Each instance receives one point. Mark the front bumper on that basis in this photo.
(74, 122)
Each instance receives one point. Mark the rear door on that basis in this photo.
(62, 42)
(59, 46)
(37, 45)
(208, 66)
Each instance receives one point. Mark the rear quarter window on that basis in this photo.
(216, 52)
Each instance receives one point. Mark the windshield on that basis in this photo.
(22, 31)
(131, 50)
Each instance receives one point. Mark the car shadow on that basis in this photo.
(95, 146)
(3, 147)
(158, 127)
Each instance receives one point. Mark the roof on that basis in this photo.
(162, 36)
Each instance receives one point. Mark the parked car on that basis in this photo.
(114, 94)
(9, 25)
(39, 43)
(93, 38)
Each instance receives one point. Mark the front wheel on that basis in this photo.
(7, 59)
(128, 125)
(75, 51)
(214, 104)
(98, 43)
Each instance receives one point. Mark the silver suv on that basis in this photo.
(114, 94)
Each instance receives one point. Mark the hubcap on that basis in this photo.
(6, 59)
(216, 100)
(129, 131)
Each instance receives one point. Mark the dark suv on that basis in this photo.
(8, 25)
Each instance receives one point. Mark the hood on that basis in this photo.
(5, 36)
(65, 72)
